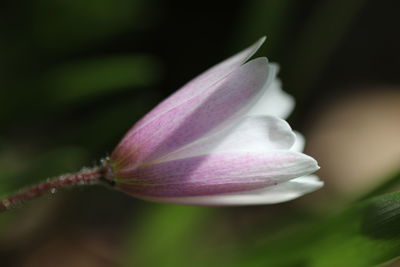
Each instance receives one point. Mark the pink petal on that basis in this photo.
(201, 83)
(269, 195)
(214, 174)
(194, 118)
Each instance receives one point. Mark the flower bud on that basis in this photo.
(219, 140)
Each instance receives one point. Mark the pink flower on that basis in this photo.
(219, 140)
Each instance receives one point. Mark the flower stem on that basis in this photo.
(84, 177)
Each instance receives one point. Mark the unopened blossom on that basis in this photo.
(219, 140)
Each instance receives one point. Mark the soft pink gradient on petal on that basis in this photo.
(201, 83)
(215, 174)
(219, 140)
(269, 195)
(195, 117)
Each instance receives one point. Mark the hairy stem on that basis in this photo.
(84, 177)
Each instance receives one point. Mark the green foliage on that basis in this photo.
(91, 78)
(389, 183)
(363, 235)
(167, 237)
(63, 25)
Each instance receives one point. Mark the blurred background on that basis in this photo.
(75, 75)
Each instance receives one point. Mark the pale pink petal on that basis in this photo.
(251, 134)
(194, 118)
(201, 83)
(269, 195)
(274, 102)
(215, 174)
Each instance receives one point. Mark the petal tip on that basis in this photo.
(259, 43)
(315, 164)
(262, 40)
(310, 163)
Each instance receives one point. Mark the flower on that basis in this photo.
(219, 140)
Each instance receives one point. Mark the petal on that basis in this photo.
(201, 83)
(194, 118)
(274, 102)
(299, 143)
(215, 174)
(269, 195)
(252, 134)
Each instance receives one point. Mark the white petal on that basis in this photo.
(299, 143)
(274, 102)
(270, 195)
(252, 134)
